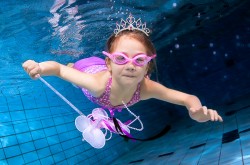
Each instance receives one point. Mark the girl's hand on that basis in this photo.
(32, 68)
(203, 114)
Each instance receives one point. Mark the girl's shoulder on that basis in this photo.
(152, 89)
(102, 80)
(147, 86)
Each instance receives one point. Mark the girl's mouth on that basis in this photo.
(129, 76)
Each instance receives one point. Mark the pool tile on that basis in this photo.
(9, 141)
(47, 160)
(27, 147)
(15, 160)
(30, 157)
(44, 152)
(24, 137)
(22, 127)
(50, 131)
(28, 101)
(53, 139)
(17, 115)
(47, 122)
(56, 148)
(40, 143)
(31, 113)
(12, 151)
(14, 103)
(59, 157)
(6, 130)
(34, 125)
(2, 155)
(5, 117)
(38, 134)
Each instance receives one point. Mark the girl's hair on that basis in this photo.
(138, 35)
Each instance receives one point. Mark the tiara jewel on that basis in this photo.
(131, 24)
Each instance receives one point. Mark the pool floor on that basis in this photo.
(190, 143)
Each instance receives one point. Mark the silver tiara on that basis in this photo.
(131, 24)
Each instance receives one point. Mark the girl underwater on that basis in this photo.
(127, 65)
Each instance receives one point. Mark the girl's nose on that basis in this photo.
(130, 66)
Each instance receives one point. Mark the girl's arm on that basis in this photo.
(52, 68)
(192, 103)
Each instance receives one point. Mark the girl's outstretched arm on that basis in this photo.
(192, 103)
(52, 68)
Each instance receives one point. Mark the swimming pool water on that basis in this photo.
(196, 54)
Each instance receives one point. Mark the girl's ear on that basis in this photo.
(107, 61)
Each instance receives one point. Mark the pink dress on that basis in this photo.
(94, 65)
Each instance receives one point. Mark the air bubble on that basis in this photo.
(177, 46)
(199, 15)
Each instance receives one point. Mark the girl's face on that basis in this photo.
(129, 73)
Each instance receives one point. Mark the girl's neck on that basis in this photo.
(121, 92)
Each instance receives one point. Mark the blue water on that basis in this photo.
(194, 55)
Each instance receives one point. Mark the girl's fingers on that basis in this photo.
(32, 68)
(204, 108)
(33, 73)
(220, 119)
(211, 114)
(216, 116)
(192, 110)
(37, 76)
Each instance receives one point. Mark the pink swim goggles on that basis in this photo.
(121, 58)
